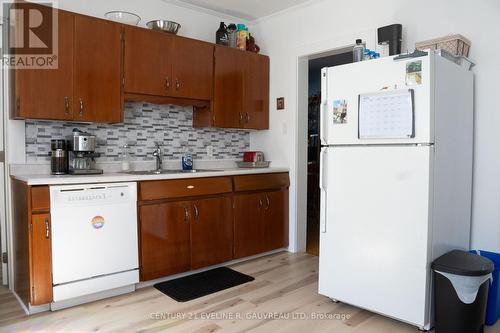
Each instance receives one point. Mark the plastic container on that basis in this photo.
(461, 283)
(232, 35)
(242, 37)
(358, 51)
(493, 308)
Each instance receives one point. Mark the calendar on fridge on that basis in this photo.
(386, 115)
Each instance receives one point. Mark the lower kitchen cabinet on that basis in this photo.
(179, 236)
(164, 239)
(260, 213)
(41, 262)
(187, 224)
(211, 232)
(275, 213)
(248, 225)
(32, 243)
(260, 223)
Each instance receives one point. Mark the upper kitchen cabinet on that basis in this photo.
(229, 87)
(148, 62)
(86, 85)
(192, 69)
(98, 70)
(48, 93)
(241, 91)
(257, 92)
(161, 65)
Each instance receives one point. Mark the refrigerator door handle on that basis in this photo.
(323, 108)
(323, 187)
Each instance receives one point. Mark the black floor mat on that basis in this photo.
(201, 284)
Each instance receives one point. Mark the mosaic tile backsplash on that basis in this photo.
(143, 124)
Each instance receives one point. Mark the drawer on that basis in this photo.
(268, 181)
(166, 189)
(40, 198)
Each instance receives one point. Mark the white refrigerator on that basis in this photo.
(395, 178)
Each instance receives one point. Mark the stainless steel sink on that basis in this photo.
(163, 172)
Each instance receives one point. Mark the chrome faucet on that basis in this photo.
(157, 154)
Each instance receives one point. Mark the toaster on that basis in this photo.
(253, 156)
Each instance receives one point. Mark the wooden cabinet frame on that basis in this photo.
(32, 243)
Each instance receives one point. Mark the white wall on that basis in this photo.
(326, 24)
(194, 23)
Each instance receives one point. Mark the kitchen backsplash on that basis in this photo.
(170, 125)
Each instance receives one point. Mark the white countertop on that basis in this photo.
(124, 177)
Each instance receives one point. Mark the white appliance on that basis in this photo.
(94, 240)
(396, 174)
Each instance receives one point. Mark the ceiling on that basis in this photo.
(249, 10)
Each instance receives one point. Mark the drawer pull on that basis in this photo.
(47, 228)
(190, 187)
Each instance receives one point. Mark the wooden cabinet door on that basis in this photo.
(98, 70)
(211, 232)
(41, 262)
(192, 72)
(164, 239)
(248, 225)
(48, 93)
(275, 219)
(148, 62)
(229, 87)
(257, 92)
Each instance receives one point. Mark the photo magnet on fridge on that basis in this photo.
(340, 111)
(414, 73)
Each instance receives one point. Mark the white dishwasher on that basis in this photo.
(94, 241)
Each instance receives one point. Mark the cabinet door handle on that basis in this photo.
(66, 104)
(177, 84)
(47, 228)
(167, 83)
(268, 202)
(186, 214)
(196, 212)
(81, 106)
(241, 117)
(260, 203)
(248, 117)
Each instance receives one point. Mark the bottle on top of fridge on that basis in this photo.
(221, 35)
(357, 51)
(232, 35)
(242, 37)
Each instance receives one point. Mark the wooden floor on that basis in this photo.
(285, 284)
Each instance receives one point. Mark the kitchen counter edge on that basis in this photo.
(124, 177)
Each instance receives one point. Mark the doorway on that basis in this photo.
(314, 144)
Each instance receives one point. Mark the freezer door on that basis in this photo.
(374, 241)
(342, 85)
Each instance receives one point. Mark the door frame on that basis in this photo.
(4, 240)
(302, 55)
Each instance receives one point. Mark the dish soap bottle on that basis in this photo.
(187, 162)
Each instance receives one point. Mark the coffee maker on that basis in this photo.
(81, 157)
